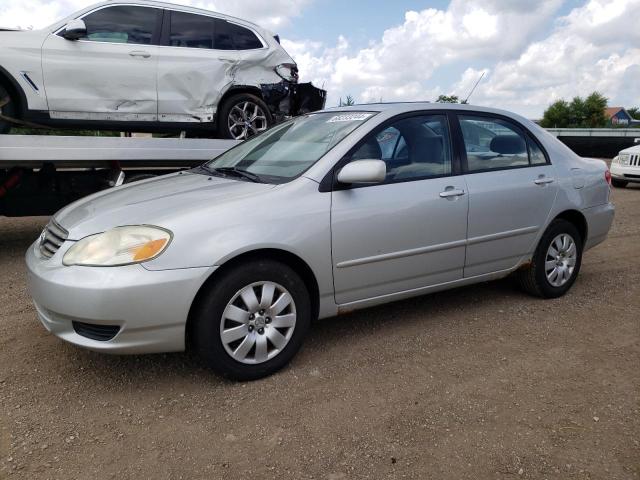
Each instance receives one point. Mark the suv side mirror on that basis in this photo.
(75, 29)
(363, 171)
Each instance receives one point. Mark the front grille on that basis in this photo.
(52, 239)
(629, 175)
(634, 160)
(101, 333)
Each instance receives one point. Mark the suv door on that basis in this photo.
(110, 74)
(511, 192)
(410, 231)
(197, 64)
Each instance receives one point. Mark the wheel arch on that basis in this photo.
(239, 89)
(15, 90)
(292, 260)
(578, 220)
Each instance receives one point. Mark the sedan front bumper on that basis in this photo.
(149, 308)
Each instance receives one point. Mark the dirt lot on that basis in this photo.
(480, 382)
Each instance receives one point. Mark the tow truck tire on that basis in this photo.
(9, 110)
(231, 109)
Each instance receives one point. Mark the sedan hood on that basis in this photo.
(154, 202)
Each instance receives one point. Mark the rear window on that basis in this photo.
(229, 36)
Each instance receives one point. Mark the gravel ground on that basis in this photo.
(478, 382)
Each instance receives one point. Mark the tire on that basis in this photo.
(9, 110)
(619, 183)
(534, 280)
(228, 113)
(217, 304)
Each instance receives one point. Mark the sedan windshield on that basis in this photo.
(287, 150)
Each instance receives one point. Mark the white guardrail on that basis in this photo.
(595, 132)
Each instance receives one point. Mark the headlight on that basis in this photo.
(119, 246)
(288, 71)
(623, 159)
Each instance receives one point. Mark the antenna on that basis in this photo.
(466, 100)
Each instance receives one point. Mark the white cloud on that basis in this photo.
(592, 48)
(400, 64)
(40, 13)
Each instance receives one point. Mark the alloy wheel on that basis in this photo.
(246, 119)
(560, 260)
(258, 322)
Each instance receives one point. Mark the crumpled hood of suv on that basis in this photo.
(157, 201)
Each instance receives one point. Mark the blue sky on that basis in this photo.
(531, 53)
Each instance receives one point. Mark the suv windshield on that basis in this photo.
(287, 150)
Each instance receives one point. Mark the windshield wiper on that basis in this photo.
(237, 172)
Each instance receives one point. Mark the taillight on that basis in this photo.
(607, 176)
(288, 71)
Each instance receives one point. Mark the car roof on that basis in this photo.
(405, 107)
(172, 6)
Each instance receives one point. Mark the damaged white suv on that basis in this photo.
(150, 66)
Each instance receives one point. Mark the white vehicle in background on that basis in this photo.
(149, 66)
(625, 167)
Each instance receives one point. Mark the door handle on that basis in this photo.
(140, 53)
(452, 193)
(543, 181)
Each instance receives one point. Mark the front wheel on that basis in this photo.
(242, 116)
(252, 320)
(556, 262)
(619, 183)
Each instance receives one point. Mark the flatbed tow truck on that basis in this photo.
(39, 174)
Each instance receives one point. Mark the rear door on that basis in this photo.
(512, 189)
(110, 74)
(197, 64)
(410, 231)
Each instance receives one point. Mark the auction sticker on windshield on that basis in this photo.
(349, 117)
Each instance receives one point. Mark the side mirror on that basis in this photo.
(75, 29)
(363, 171)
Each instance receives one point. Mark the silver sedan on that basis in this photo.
(326, 213)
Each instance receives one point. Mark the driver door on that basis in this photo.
(110, 74)
(408, 232)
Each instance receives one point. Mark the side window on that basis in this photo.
(229, 36)
(190, 30)
(535, 154)
(122, 24)
(413, 148)
(492, 143)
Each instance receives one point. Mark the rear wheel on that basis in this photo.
(556, 262)
(8, 109)
(242, 116)
(252, 320)
(619, 183)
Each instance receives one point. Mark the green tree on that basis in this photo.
(449, 99)
(349, 101)
(557, 115)
(634, 112)
(579, 113)
(594, 106)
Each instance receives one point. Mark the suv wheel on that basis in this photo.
(7, 109)
(252, 320)
(556, 262)
(619, 183)
(242, 116)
